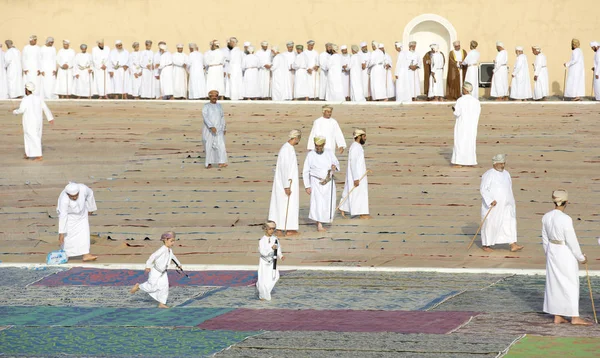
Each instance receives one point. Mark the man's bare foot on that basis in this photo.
(38, 159)
(25, 156)
(576, 99)
(365, 217)
(559, 320)
(223, 165)
(135, 288)
(456, 166)
(487, 249)
(209, 166)
(262, 299)
(320, 227)
(343, 213)
(88, 257)
(514, 247)
(580, 321)
(292, 233)
(162, 305)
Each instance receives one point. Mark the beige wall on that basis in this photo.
(550, 24)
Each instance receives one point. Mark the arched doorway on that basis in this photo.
(427, 29)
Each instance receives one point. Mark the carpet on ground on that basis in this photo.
(555, 347)
(18, 276)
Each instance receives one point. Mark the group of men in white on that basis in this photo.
(296, 73)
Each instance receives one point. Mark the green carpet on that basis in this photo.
(559, 347)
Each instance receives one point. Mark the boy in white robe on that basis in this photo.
(330, 129)
(466, 111)
(31, 108)
(213, 132)
(500, 227)
(75, 202)
(356, 188)
(285, 199)
(436, 78)
(157, 285)
(540, 74)
(267, 275)
(561, 296)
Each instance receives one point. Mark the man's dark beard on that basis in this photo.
(101, 47)
(246, 52)
(229, 47)
(323, 151)
(362, 141)
(364, 51)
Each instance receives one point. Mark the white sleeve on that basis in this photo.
(305, 173)
(47, 112)
(571, 241)
(485, 189)
(544, 237)
(339, 137)
(90, 201)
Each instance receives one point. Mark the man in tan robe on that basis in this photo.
(427, 70)
(454, 81)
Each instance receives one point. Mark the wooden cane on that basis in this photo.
(287, 207)
(591, 295)
(123, 88)
(564, 84)
(480, 225)
(350, 192)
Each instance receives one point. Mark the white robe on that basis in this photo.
(520, 87)
(312, 61)
(264, 75)
(576, 75)
(31, 108)
(290, 58)
(179, 75)
(540, 87)
(334, 89)
(157, 285)
(563, 254)
(3, 78)
(472, 76)
(378, 75)
(466, 111)
(286, 170)
(322, 197)
(500, 227)
(48, 70)
(366, 76)
(436, 89)
(82, 86)
(73, 220)
(119, 78)
(302, 80)
(197, 85)
(330, 129)
(215, 80)
(100, 57)
(358, 202)
(31, 64)
(356, 78)
(250, 65)
(281, 90)
(134, 85)
(414, 77)
(157, 85)
(147, 84)
(267, 277)
(64, 78)
(214, 144)
(403, 74)
(389, 78)
(323, 73)
(235, 76)
(165, 70)
(500, 75)
(346, 75)
(596, 81)
(14, 73)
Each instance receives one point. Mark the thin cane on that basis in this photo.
(482, 221)
(565, 84)
(67, 81)
(350, 192)
(286, 211)
(591, 295)
(330, 201)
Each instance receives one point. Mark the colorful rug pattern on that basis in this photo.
(555, 347)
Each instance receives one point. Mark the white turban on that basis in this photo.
(290, 43)
(593, 44)
(334, 47)
(32, 37)
(380, 46)
(319, 140)
(499, 158)
(72, 188)
(560, 196)
(118, 42)
(294, 133)
(519, 48)
(310, 42)
(50, 39)
(355, 48)
(343, 47)
(216, 43)
(399, 44)
(363, 44)
(250, 49)
(499, 43)
(247, 43)
(66, 42)
(468, 86)
(264, 43)
(30, 86)
(358, 132)
(456, 43)
(374, 42)
(536, 47)
(162, 47)
(179, 45)
(435, 46)
(412, 43)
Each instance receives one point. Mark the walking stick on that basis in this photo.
(67, 81)
(315, 87)
(350, 192)
(123, 88)
(331, 200)
(480, 225)
(286, 212)
(591, 295)
(593, 77)
(104, 89)
(461, 82)
(275, 259)
(90, 84)
(179, 269)
(564, 84)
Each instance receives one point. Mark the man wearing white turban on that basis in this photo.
(281, 89)
(356, 189)
(500, 74)
(456, 72)
(520, 87)
(264, 70)
(436, 80)
(75, 202)
(466, 112)
(563, 254)
(356, 75)
(118, 70)
(14, 71)
(378, 74)
(500, 227)
(403, 73)
(147, 62)
(250, 65)
(540, 75)
(31, 108)
(334, 90)
(290, 57)
(180, 63)
(365, 56)
(197, 84)
(65, 59)
(414, 76)
(345, 71)
(134, 84)
(285, 198)
(329, 128)
(575, 87)
(165, 72)
(471, 63)
(214, 131)
(31, 62)
(323, 73)
(235, 77)
(48, 70)
(317, 174)
(215, 60)
(303, 87)
(312, 57)
(596, 69)
(100, 58)
(82, 69)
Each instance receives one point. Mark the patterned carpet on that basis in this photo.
(555, 347)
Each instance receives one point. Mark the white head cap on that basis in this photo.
(72, 188)
(456, 43)
(468, 86)
(435, 46)
(66, 41)
(50, 39)
(499, 43)
(30, 86)
(560, 196)
(499, 158)
(343, 47)
(162, 47)
(32, 37)
(294, 133)
(179, 45)
(363, 44)
(593, 44)
(381, 45)
(412, 43)
(264, 43)
(519, 48)
(536, 47)
(247, 43)
(274, 48)
(357, 132)
(290, 43)
(118, 42)
(398, 44)
(310, 42)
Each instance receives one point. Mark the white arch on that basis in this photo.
(428, 17)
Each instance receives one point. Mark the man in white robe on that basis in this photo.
(147, 64)
(31, 108)
(134, 85)
(356, 76)
(14, 71)
(165, 72)
(48, 70)
(500, 74)
(197, 85)
(250, 64)
(3, 78)
(312, 57)
(269, 250)
(214, 62)
(575, 87)
(416, 63)
(213, 132)
(466, 111)
(226, 53)
(290, 57)
(322, 67)
(402, 74)
(83, 69)
(264, 70)
(355, 197)
(284, 208)
(378, 74)
(329, 128)
(64, 76)
(436, 78)
(596, 70)
(179, 73)
(520, 87)
(157, 84)
(302, 79)
(235, 75)
(281, 90)
(319, 167)
(563, 256)
(365, 56)
(100, 57)
(500, 227)
(334, 89)
(75, 203)
(31, 62)
(389, 77)
(471, 62)
(118, 70)
(540, 74)
(345, 71)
